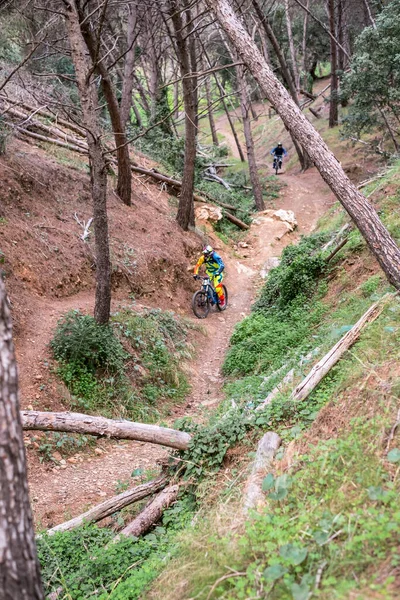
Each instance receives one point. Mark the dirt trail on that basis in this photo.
(60, 492)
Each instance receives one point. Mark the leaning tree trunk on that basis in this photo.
(19, 567)
(303, 157)
(333, 105)
(124, 184)
(251, 156)
(185, 214)
(98, 171)
(363, 214)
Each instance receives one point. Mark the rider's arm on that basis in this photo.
(198, 265)
(284, 152)
(273, 151)
(219, 261)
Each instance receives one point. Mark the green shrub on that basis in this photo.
(85, 563)
(86, 345)
(300, 267)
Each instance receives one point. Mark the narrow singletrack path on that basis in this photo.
(66, 490)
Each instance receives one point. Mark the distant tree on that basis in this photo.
(19, 567)
(373, 83)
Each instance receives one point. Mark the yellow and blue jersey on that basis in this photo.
(213, 264)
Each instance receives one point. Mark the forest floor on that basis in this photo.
(66, 490)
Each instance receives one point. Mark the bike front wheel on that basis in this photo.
(200, 304)
(222, 308)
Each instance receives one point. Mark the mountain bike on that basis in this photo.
(277, 164)
(207, 297)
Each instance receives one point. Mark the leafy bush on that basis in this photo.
(103, 376)
(296, 275)
(86, 345)
(85, 563)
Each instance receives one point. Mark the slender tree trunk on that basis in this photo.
(138, 116)
(210, 113)
(303, 158)
(124, 184)
(251, 157)
(128, 77)
(19, 566)
(98, 171)
(142, 94)
(304, 48)
(291, 47)
(333, 105)
(369, 12)
(342, 26)
(185, 214)
(363, 214)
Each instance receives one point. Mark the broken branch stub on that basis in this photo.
(102, 427)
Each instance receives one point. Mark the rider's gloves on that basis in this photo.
(218, 273)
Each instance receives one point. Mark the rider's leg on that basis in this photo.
(219, 289)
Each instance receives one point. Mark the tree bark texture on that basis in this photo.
(152, 513)
(251, 155)
(363, 214)
(129, 64)
(213, 129)
(293, 57)
(113, 505)
(124, 183)
(254, 497)
(98, 170)
(326, 363)
(102, 427)
(19, 567)
(333, 104)
(185, 214)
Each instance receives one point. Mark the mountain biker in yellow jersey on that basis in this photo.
(214, 266)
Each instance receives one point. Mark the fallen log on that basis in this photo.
(267, 446)
(336, 250)
(43, 138)
(53, 131)
(48, 114)
(236, 221)
(151, 514)
(113, 505)
(102, 427)
(178, 184)
(330, 359)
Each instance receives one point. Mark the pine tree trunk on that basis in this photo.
(98, 171)
(293, 57)
(210, 113)
(333, 105)
(363, 214)
(251, 157)
(128, 77)
(185, 216)
(304, 47)
(19, 567)
(124, 183)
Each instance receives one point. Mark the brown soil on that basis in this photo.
(49, 271)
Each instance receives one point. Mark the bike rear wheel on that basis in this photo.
(276, 167)
(200, 304)
(222, 308)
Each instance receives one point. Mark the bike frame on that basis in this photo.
(209, 290)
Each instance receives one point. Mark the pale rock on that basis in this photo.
(207, 212)
(287, 216)
(57, 456)
(98, 451)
